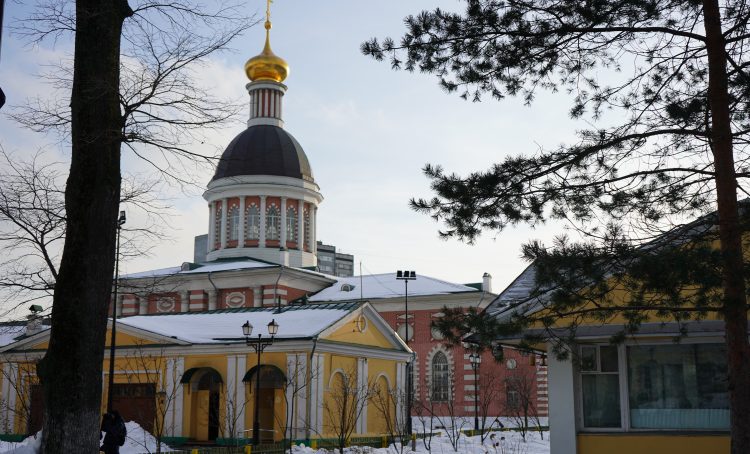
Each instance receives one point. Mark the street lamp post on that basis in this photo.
(407, 276)
(476, 360)
(258, 345)
(120, 223)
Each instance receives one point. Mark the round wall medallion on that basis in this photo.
(165, 304)
(235, 299)
(511, 364)
(361, 323)
(402, 332)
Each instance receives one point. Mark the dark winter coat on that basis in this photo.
(114, 433)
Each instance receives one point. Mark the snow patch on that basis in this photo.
(386, 286)
(509, 442)
(138, 441)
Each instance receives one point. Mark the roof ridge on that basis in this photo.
(345, 305)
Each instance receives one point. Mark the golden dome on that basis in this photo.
(267, 65)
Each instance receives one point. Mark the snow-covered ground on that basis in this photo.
(509, 442)
(138, 441)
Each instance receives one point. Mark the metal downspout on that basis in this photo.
(308, 403)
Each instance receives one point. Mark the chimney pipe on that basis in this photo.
(34, 320)
(487, 282)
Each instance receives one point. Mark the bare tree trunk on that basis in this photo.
(735, 304)
(71, 371)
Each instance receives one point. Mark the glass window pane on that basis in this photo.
(291, 224)
(440, 378)
(234, 224)
(601, 400)
(253, 223)
(678, 387)
(608, 358)
(588, 359)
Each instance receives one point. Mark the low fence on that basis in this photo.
(280, 448)
(318, 443)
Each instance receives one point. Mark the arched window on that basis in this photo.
(440, 378)
(253, 222)
(234, 224)
(291, 224)
(272, 223)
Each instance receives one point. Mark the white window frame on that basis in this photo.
(252, 232)
(273, 223)
(579, 387)
(291, 224)
(623, 386)
(233, 224)
(434, 384)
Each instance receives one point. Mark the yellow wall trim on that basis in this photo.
(653, 443)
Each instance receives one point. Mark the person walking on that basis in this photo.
(115, 432)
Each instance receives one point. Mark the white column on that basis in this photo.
(283, 222)
(239, 394)
(223, 233)
(362, 381)
(313, 233)
(257, 296)
(142, 305)
(211, 227)
(316, 394)
(169, 390)
(562, 417)
(179, 369)
(243, 220)
(400, 385)
(13, 394)
(262, 242)
(230, 405)
(7, 412)
(296, 367)
(301, 226)
(184, 301)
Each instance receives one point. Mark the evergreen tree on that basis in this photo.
(677, 73)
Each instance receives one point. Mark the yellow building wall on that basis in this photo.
(126, 340)
(382, 376)
(277, 359)
(193, 401)
(20, 383)
(652, 444)
(349, 333)
(149, 366)
(335, 365)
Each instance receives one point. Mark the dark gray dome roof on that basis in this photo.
(264, 150)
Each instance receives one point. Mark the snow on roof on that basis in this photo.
(385, 286)
(10, 331)
(518, 291)
(226, 325)
(202, 268)
(153, 273)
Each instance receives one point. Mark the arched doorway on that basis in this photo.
(271, 379)
(205, 390)
(381, 414)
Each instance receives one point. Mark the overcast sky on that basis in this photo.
(367, 131)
